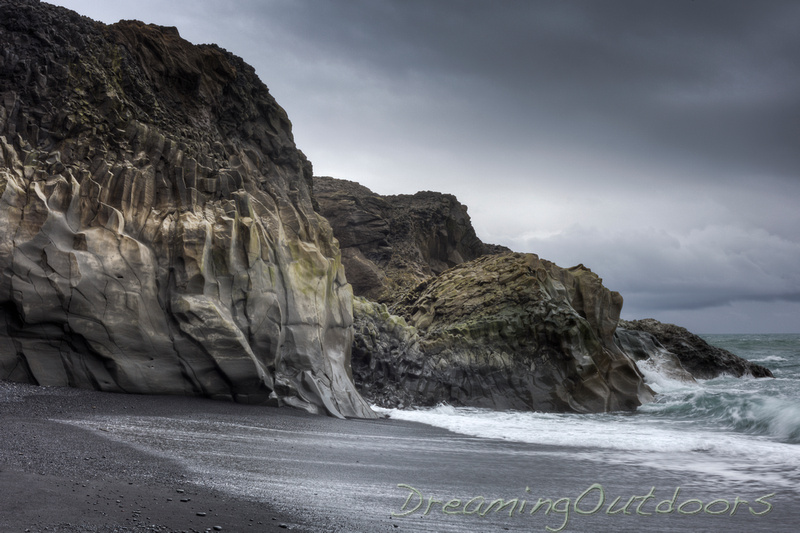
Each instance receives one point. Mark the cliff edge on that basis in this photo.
(392, 243)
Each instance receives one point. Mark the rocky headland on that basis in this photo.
(442, 317)
(695, 355)
(161, 233)
(505, 331)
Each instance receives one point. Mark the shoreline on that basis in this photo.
(76, 460)
(59, 477)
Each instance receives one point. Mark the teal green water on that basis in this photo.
(769, 407)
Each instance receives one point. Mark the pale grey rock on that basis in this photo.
(157, 230)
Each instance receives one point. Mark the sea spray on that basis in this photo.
(746, 412)
(741, 430)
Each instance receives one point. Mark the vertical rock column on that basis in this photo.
(157, 233)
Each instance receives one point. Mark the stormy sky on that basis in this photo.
(656, 142)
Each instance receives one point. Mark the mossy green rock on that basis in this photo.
(388, 363)
(157, 228)
(502, 331)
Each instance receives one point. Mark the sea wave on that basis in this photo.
(745, 430)
(751, 413)
(770, 359)
(605, 431)
(661, 381)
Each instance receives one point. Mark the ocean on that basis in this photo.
(725, 451)
(734, 430)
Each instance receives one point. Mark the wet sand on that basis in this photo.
(86, 461)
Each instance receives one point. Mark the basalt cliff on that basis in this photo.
(469, 323)
(157, 228)
(505, 331)
(161, 233)
(390, 244)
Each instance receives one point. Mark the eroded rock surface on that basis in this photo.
(157, 232)
(698, 357)
(502, 331)
(392, 243)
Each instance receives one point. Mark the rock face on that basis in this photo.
(157, 232)
(392, 243)
(502, 331)
(388, 361)
(700, 359)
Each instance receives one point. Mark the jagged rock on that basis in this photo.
(391, 243)
(699, 358)
(502, 331)
(645, 349)
(157, 231)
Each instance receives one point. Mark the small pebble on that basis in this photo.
(201, 514)
(217, 528)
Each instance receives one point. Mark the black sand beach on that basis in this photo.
(76, 460)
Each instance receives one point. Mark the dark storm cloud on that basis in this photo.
(701, 80)
(711, 83)
(654, 141)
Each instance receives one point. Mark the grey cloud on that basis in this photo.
(634, 126)
(711, 81)
(658, 271)
(715, 82)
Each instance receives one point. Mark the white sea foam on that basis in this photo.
(659, 380)
(770, 359)
(666, 444)
(736, 430)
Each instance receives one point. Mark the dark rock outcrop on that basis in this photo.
(645, 349)
(157, 231)
(392, 243)
(502, 331)
(699, 358)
